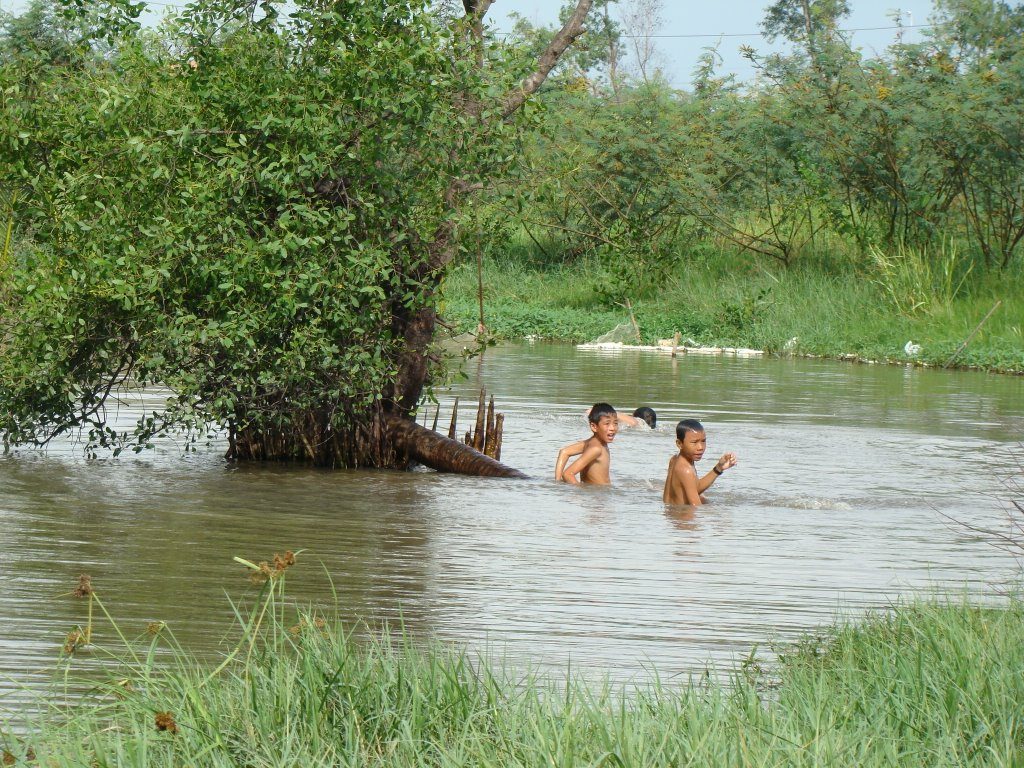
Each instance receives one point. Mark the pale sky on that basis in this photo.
(690, 25)
(741, 18)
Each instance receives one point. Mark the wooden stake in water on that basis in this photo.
(478, 434)
(487, 435)
(489, 430)
(455, 416)
(675, 343)
(499, 426)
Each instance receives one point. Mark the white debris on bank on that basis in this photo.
(910, 349)
(666, 345)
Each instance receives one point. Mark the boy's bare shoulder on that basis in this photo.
(679, 466)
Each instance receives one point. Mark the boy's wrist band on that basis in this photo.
(716, 470)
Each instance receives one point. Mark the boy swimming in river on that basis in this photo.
(682, 486)
(642, 415)
(594, 462)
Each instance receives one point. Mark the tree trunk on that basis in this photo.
(388, 438)
(417, 328)
(416, 444)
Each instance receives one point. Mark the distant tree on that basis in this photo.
(39, 34)
(977, 33)
(973, 70)
(800, 21)
(641, 22)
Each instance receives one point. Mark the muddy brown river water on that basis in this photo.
(856, 485)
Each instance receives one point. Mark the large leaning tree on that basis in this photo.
(252, 206)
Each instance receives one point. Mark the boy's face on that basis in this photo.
(605, 428)
(692, 446)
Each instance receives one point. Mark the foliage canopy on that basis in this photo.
(916, 150)
(240, 207)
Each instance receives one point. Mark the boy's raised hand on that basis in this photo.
(727, 461)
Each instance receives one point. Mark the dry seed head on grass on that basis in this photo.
(155, 627)
(267, 571)
(73, 641)
(165, 722)
(284, 562)
(262, 575)
(84, 588)
(10, 759)
(305, 625)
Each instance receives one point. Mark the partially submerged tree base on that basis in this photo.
(392, 441)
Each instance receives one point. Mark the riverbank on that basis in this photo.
(801, 311)
(928, 683)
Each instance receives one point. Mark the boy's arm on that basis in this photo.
(728, 460)
(572, 449)
(588, 457)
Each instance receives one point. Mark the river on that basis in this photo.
(857, 485)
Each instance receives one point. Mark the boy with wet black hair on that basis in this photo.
(682, 486)
(642, 415)
(594, 463)
(646, 415)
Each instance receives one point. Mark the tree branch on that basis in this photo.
(475, 12)
(477, 8)
(566, 36)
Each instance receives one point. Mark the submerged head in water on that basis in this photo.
(648, 415)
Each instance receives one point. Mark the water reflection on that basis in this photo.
(683, 518)
(848, 480)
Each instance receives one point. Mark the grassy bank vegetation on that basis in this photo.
(929, 683)
(832, 307)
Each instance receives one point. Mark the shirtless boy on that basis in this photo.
(682, 486)
(594, 460)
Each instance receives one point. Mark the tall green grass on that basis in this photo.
(916, 282)
(930, 683)
(828, 307)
